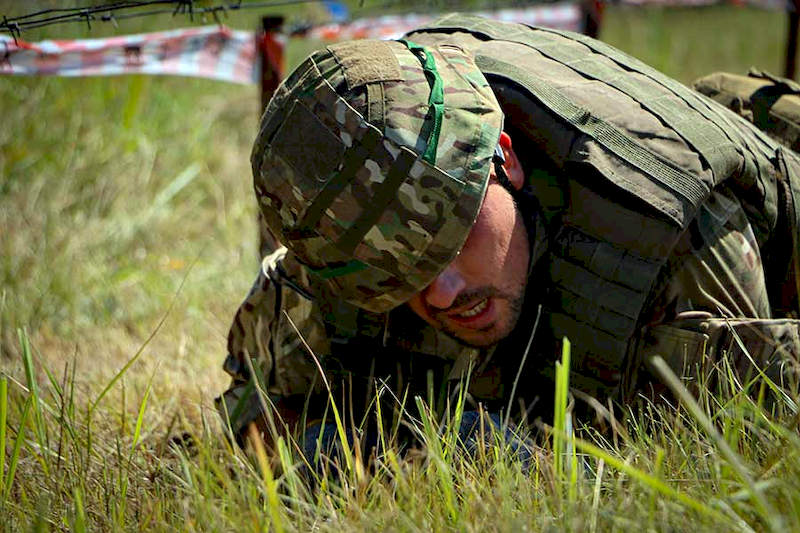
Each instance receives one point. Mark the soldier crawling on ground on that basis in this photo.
(463, 199)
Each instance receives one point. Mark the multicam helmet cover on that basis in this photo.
(372, 162)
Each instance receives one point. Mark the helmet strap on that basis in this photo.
(502, 178)
(528, 207)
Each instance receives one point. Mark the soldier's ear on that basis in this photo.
(512, 165)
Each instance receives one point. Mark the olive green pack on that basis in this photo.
(769, 102)
(642, 153)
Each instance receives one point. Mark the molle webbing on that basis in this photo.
(599, 280)
(668, 175)
(717, 140)
(709, 140)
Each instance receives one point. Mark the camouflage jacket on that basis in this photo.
(670, 228)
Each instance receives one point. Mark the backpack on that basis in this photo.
(769, 102)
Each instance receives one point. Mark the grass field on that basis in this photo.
(127, 240)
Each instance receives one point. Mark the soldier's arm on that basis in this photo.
(271, 369)
(713, 312)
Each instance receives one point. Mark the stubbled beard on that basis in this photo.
(515, 302)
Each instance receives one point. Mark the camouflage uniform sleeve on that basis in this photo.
(265, 351)
(712, 307)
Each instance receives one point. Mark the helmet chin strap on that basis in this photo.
(502, 179)
(528, 206)
(499, 160)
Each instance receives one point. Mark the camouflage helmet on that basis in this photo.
(371, 164)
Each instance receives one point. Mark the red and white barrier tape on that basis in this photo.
(206, 52)
(566, 16)
(220, 53)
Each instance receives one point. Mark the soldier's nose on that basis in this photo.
(444, 289)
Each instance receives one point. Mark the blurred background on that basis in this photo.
(127, 222)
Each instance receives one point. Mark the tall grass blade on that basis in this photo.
(774, 387)
(598, 482)
(79, 524)
(768, 514)
(461, 399)
(560, 415)
(27, 361)
(521, 367)
(572, 488)
(33, 387)
(12, 465)
(175, 186)
(125, 368)
(273, 501)
(140, 419)
(437, 456)
(291, 478)
(346, 451)
(140, 351)
(649, 481)
(3, 419)
(379, 417)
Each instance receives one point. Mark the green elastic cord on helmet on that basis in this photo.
(436, 98)
(342, 270)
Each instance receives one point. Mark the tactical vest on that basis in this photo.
(642, 153)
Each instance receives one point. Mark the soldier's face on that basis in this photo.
(478, 297)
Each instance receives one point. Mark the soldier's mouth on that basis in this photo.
(474, 310)
(478, 316)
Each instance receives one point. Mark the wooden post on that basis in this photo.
(791, 41)
(593, 17)
(269, 47)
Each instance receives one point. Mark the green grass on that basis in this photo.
(721, 462)
(687, 43)
(127, 240)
